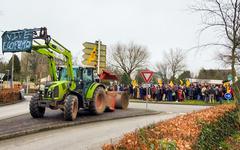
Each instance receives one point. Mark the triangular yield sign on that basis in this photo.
(147, 75)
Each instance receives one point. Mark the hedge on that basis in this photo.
(9, 95)
(197, 130)
(213, 133)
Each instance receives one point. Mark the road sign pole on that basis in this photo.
(99, 52)
(147, 76)
(147, 98)
(12, 71)
(27, 85)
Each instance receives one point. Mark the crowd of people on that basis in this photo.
(205, 92)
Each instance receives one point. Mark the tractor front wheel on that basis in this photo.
(98, 104)
(35, 110)
(70, 107)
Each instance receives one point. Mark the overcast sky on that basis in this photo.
(157, 24)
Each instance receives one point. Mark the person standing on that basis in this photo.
(211, 94)
(203, 90)
(190, 93)
(158, 93)
(199, 93)
(153, 94)
(169, 94)
(141, 93)
(131, 91)
(138, 92)
(221, 94)
(180, 94)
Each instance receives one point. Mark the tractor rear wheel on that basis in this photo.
(35, 110)
(98, 104)
(70, 107)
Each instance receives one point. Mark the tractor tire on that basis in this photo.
(98, 104)
(35, 110)
(70, 107)
(122, 100)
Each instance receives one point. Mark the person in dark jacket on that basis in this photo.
(141, 93)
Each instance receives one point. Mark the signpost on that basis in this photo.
(147, 77)
(1, 80)
(92, 51)
(229, 77)
(228, 96)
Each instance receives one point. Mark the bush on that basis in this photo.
(197, 130)
(213, 133)
(9, 95)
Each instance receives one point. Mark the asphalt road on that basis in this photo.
(13, 110)
(93, 135)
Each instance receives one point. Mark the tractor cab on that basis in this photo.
(83, 77)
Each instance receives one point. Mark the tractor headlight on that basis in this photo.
(41, 87)
(49, 93)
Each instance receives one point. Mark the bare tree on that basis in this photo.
(162, 70)
(129, 57)
(34, 65)
(224, 17)
(175, 60)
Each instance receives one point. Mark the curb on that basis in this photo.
(172, 103)
(6, 104)
(67, 124)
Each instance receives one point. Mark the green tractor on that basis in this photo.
(86, 94)
(71, 87)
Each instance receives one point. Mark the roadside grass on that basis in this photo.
(185, 102)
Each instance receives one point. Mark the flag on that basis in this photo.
(181, 82)
(134, 83)
(188, 83)
(171, 84)
(92, 55)
(160, 82)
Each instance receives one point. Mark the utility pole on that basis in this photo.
(99, 54)
(12, 71)
(8, 78)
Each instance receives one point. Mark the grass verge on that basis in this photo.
(186, 102)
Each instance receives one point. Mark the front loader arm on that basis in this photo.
(52, 45)
(51, 61)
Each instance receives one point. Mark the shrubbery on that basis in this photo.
(198, 130)
(213, 133)
(9, 95)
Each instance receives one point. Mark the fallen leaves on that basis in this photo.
(184, 130)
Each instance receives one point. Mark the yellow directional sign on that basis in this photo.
(94, 63)
(92, 45)
(102, 58)
(92, 56)
(91, 52)
(88, 51)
